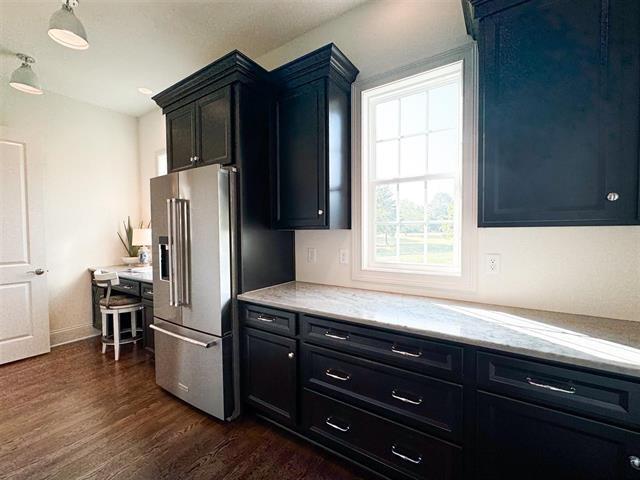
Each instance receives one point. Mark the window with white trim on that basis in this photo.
(412, 172)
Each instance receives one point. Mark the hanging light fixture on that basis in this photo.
(24, 78)
(66, 29)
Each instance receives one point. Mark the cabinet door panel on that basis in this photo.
(301, 157)
(149, 339)
(214, 127)
(181, 128)
(560, 113)
(519, 440)
(270, 374)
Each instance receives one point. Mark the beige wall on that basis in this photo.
(90, 185)
(151, 140)
(589, 270)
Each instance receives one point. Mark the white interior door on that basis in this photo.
(24, 308)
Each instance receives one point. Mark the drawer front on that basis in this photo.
(270, 319)
(146, 290)
(366, 437)
(587, 393)
(128, 286)
(413, 353)
(423, 402)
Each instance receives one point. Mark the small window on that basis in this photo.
(414, 219)
(161, 162)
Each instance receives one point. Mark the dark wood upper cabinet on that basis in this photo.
(181, 137)
(214, 127)
(559, 111)
(312, 161)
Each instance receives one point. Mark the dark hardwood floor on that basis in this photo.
(77, 414)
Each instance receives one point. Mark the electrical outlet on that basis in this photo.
(343, 256)
(312, 255)
(493, 263)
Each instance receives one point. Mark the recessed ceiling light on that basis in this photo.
(145, 90)
(66, 29)
(24, 78)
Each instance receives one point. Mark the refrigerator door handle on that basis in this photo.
(182, 337)
(173, 301)
(185, 252)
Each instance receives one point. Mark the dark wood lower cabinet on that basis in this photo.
(270, 374)
(523, 441)
(147, 320)
(438, 410)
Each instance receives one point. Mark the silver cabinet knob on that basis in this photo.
(37, 271)
(291, 355)
(634, 462)
(320, 212)
(613, 196)
(196, 158)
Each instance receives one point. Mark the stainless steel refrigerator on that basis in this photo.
(194, 233)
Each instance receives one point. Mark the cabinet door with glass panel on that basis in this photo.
(413, 172)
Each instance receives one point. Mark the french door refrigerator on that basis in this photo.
(193, 223)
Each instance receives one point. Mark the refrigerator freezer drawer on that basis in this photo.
(194, 367)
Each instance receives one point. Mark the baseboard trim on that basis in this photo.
(72, 334)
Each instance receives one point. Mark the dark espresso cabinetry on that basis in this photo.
(406, 406)
(312, 171)
(559, 111)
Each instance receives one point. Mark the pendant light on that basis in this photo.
(24, 78)
(66, 29)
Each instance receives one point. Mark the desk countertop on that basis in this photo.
(140, 274)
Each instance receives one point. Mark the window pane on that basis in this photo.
(386, 203)
(387, 120)
(444, 107)
(440, 204)
(440, 231)
(412, 202)
(411, 243)
(386, 244)
(413, 113)
(413, 156)
(440, 244)
(443, 151)
(387, 159)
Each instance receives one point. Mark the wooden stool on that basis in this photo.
(115, 306)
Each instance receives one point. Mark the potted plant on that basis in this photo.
(127, 242)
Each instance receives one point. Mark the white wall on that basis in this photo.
(90, 186)
(588, 270)
(151, 140)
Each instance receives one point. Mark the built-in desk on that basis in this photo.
(135, 283)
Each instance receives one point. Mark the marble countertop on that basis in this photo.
(141, 274)
(595, 342)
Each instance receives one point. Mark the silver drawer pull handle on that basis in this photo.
(337, 337)
(149, 292)
(395, 349)
(337, 375)
(329, 422)
(395, 395)
(264, 318)
(182, 337)
(570, 390)
(404, 457)
(634, 462)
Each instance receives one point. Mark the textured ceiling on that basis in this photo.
(149, 43)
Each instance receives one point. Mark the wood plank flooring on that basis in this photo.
(76, 414)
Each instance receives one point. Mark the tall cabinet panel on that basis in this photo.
(214, 127)
(312, 165)
(559, 111)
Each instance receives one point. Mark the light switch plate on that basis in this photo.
(343, 256)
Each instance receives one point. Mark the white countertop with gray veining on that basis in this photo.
(140, 274)
(600, 343)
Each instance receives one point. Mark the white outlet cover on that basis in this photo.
(492, 263)
(343, 256)
(312, 255)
